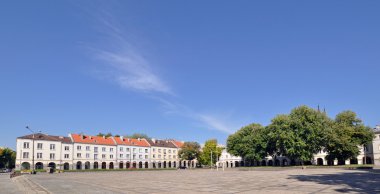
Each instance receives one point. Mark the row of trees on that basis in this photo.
(7, 158)
(134, 136)
(301, 134)
(208, 155)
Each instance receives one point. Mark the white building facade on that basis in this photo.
(40, 151)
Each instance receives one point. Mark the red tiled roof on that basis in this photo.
(179, 144)
(131, 142)
(77, 138)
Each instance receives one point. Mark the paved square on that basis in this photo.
(260, 180)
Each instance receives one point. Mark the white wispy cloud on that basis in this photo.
(124, 64)
(131, 71)
(216, 123)
(210, 121)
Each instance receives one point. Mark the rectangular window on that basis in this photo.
(154, 149)
(146, 156)
(39, 146)
(127, 149)
(95, 156)
(52, 156)
(96, 149)
(111, 149)
(25, 155)
(39, 155)
(121, 155)
(140, 156)
(52, 146)
(111, 156)
(159, 150)
(174, 156)
(164, 151)
(169, 151)
(159, 156)
(127, 155)
(134, 150)
(103, 156)
(140, 150)
(154, 155)
(134, 157)
(67, 156)
(87, 148)
(121, 149)
(67, 148)
(103, 149)
(170, 156)
(146, 150)
(79, 147)
(79, 155)
(87, 155)
(26, 145)
(174, 151)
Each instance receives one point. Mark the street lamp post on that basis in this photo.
(33, 132)
(211, 160)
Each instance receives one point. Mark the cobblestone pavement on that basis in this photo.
(275, 180)
(7, 185)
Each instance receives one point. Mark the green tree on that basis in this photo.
(137, 135)
(298, 135)
(105, 135)
(7, 158)
(344, 139)
(282, 139)
(210, 148)
(189, 151)
(309, 127)
(249, 142)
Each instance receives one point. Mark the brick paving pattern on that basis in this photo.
(276, 180)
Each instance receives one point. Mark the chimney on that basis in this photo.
(122, 138)
(60, 137)
(104, 137)
(138, 139)
(81, 136)
(154, 140)
(129, 140)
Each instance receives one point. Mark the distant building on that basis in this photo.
(228, 160)
(164, 153)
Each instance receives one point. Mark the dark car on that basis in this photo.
(182, 167)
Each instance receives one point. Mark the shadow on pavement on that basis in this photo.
(362, 181)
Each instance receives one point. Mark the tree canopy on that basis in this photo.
(301, 134)
(345, 137)
(105, 135)
(249, 142)
(137, 135)
(7, 158)
(210, 148)
(189, 151)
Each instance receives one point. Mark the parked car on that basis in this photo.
(5, 170)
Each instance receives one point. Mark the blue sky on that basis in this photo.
(187, 70)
